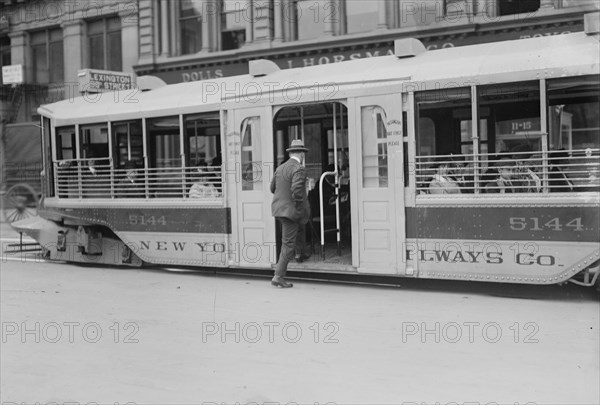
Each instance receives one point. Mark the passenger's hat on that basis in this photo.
(297, 146)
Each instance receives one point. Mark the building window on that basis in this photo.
(508, 7)
(104, 38)
(420, 13)
(47, 56)
(455, 7)
(4, 53)
(581, 4)
(361, 16)
(315, 18)
(190, 23)
(233, 23)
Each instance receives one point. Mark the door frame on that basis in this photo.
(253, 228)
(391, 103)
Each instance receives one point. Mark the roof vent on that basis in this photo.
(592, 23)
(148, 82)
(408, 47)
(262, 67)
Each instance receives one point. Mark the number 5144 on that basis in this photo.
(535, 224)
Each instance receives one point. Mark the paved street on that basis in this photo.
(106, 335)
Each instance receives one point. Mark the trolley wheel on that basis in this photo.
(20, 202)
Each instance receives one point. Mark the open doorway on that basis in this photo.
(324, 129)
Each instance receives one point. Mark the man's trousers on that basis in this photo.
(293, 236)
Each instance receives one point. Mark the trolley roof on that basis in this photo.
(507, 61)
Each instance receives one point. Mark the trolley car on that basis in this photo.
(473, 163)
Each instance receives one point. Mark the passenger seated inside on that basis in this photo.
(525, 179)
(503, 172)
(130, 186)
(216, 169)
(557, 179)
(443, 182)
(203, 188)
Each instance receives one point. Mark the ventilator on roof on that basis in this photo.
(592, 23)
(408, 47)
(262, 67)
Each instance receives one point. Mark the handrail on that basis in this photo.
(516, 172)
(76, 179)
(322, 211)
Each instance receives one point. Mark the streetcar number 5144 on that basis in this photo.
(534, 224)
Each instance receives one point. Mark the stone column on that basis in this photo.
(75, 52)
(288, 23)
(129, 42)
(490, 9)
(382, 14)
(174, 43)
(164, 28)
(278, 21)
(250, 22)
(329, 27)
(208, 29)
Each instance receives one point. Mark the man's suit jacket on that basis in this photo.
(289, 192)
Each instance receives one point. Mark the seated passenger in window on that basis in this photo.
(131, 186)
(557, 178)
(504, 172)
(443, 182)
(463, 172)
(203, 187)
(525, 179)
(215, 166)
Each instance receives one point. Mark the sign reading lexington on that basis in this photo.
(94, 81)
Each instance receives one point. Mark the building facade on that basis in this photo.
(191, 40)
(47, 43)
(203, 39)
(53, 40)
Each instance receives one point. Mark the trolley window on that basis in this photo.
(128, 144)
(251, 160)
(94, 141)
(65, 143)
(444, 131)
(374, 147)
(574, 134)
(203, 139)
(163, 139)
(514, 121)
(47, 156)
(165, 165)
(202, 142)
(444, 122)
(573, 117)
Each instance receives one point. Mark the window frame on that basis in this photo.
(5, 50)
(200, 20)
(223, 18)
(54, 75)
(107, 54)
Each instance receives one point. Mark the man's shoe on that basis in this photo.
(302, 258)
(280, 282)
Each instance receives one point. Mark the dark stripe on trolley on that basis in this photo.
(557, 224)
(196, 220)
